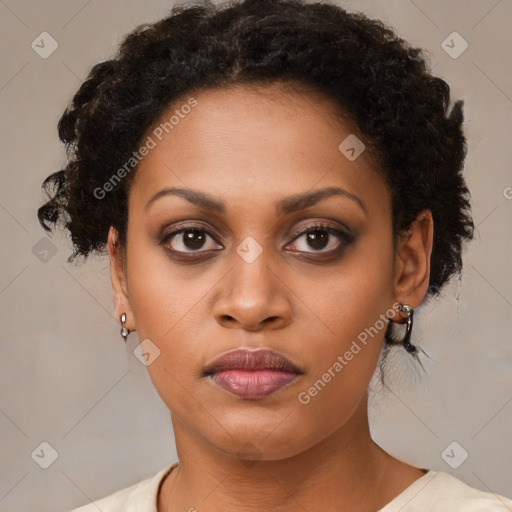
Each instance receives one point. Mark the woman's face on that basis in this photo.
(258, 170)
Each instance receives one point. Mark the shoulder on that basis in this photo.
(140, 497)
(438, 491)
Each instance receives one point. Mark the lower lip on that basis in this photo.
(252, 384)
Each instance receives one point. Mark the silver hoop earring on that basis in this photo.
(124, 330)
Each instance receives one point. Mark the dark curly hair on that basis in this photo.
(382, 83)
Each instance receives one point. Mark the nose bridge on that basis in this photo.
(252, 273)
(253, 293)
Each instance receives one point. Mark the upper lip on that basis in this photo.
(243, 359)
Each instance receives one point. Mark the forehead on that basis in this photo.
(254, 143)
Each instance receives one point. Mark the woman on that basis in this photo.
(278, 186)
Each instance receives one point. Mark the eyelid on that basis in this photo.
(189, 226)
(318, 225)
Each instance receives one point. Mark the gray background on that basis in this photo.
(66, 377)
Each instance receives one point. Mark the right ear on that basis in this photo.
(118, 279)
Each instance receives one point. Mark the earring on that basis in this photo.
(124, 330)
(406, 341)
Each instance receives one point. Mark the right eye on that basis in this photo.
(188, 239)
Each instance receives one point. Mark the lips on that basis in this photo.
(252, 374)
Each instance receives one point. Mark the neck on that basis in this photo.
(345, 471)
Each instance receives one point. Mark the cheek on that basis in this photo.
(170, 310)
(158, 289)
(353, 312)
(353, 297)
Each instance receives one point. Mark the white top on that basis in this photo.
(435, 491)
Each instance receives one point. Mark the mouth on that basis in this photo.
(252, 374)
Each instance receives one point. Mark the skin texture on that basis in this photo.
(251, 148)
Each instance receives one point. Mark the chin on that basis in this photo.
(270, 437)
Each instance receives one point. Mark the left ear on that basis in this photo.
(412, 260)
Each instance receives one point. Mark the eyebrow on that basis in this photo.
(287, 205)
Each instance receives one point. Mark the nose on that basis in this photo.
(253, 296)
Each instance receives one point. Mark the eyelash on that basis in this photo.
(344, 238)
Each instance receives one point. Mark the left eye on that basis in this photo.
(319, 238)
